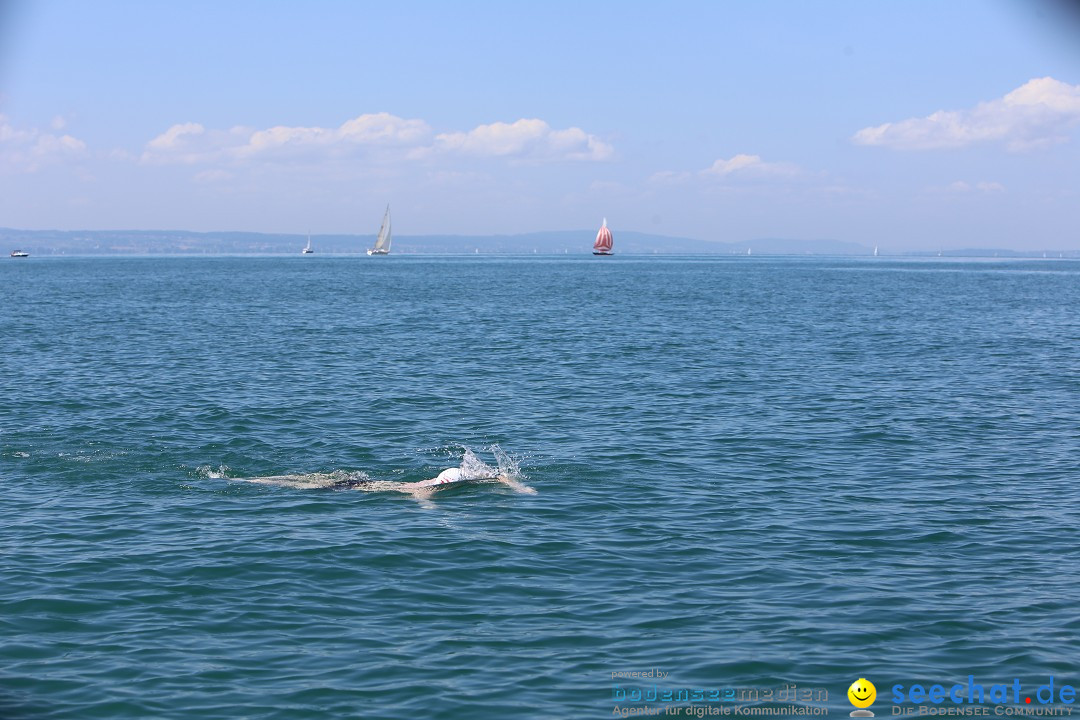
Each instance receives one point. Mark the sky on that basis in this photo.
(910, 125)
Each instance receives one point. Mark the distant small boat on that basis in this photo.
(604, 241)
(382, 242)
(875, 251)
(307, 249)
(19, 253)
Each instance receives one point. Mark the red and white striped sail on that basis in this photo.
(604, 241)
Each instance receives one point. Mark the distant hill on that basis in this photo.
(573, 242)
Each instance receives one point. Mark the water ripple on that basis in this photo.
(749, 474)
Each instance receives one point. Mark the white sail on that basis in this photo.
(383, 241)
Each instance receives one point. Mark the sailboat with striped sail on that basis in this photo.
(604, 241)
(382, 242)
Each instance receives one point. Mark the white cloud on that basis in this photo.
(527, 138)
(743, 165)
(1038, 113)
(28, 150)
(736, 163)
(384, 128)
(52, 145)
(378, 129)
(960, 186)
(741, 170)
(191, 143)
(175, 136)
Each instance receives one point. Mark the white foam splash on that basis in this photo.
(477, 469)
(474, 468)
(507, 464)
(509, 469)
(209, 473)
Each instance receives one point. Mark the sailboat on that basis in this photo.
(307, 250)
(875, 251)
(382, 242)
(604, 241)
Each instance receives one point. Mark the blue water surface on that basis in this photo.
(751, 472)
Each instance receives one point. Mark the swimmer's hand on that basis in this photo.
(515, 484)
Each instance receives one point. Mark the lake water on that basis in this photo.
(751, 473)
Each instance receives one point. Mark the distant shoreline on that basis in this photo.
(561, 242)
(954, 255)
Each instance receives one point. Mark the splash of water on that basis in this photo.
(209, 473)
(507, 465)
(474, 468)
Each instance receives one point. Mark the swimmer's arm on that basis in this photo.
(417, 490)
(515, 484)
(427, 487)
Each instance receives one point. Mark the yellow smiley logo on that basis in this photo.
(862, 693)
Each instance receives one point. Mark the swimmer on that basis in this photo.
(422, 490)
